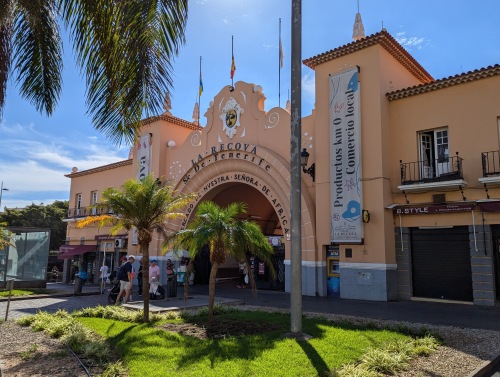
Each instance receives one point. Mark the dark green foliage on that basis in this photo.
(40, 216)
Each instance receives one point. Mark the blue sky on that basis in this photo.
(446, 37)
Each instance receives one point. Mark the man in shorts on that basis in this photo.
(125, 276)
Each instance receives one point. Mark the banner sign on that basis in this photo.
(346, 192)
(144, 156)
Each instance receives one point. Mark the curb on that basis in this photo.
(486, 367)
(34, 297)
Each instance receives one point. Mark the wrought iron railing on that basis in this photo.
(491, 163)
(438, 170)
(87, 211)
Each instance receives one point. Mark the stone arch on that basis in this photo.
(270, 171)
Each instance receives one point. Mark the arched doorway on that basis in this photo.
(221, 173)
(261, 211)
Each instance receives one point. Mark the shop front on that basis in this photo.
(443, 254)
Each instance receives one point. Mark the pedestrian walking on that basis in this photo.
(125, 275)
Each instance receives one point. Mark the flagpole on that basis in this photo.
(232, 60)
(279, 66)
(199, 95)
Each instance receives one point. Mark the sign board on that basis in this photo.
(346, 194)
(433, 209)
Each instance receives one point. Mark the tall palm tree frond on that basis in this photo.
(101, 220)
(145, 205)
(125, 49)
(37, 52)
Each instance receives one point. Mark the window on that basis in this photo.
(434, 153)
(93, 196)
(78, 205)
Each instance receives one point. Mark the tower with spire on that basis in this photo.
(358, 31)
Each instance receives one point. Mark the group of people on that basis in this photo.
(126, 274)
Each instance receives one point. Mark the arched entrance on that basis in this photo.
(259, 178)
(259, 210)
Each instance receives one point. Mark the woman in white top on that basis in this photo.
(104, 276)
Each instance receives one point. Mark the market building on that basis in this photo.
(400, 193)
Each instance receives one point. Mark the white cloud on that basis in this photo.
(31, 176)
(308, 87)
(33, 165)
(410, 42)
(24, 203)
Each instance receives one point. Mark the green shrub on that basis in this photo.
(382, 361)
(115, 370)
(352, 370)
(96, 351)
(26, 320)
(77, 337)
(400, 346)
(425, 346)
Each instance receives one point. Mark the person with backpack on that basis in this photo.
(125, 275)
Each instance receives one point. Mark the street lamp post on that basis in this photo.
(295, 179)
(2, 189)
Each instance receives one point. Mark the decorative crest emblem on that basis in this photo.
(230, 117)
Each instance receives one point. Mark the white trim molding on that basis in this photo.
(368, 266)
(307, 263)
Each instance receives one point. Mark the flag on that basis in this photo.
(201, 85)
(282, 56)
(233, 67)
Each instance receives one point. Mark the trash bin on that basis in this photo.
(78, 285)
(172, 287)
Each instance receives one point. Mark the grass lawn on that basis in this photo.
(25, 292)
(153, 350)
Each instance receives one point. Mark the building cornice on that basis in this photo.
(173, 120)
(463, 78)
(384, 39)
(100, 168)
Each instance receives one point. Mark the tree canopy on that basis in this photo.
(146, 205)
(40, 216)
(227, 236)
(123, 48)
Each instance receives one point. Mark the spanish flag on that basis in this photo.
(201, 83)
(233, 67)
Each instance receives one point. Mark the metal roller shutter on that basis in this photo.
(441, 266)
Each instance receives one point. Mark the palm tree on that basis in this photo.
(123, 48)
(226, 235)
(146, 205)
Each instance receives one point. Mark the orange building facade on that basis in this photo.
(402, 198)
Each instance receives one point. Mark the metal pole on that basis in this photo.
(295, 167)
(9, 286)
(279, 66)
(1, 192)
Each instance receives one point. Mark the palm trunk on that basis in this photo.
(211, 290)
(145, 280)
(189, 269)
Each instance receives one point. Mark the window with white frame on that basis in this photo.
(78, 204)
(434, 153)
(93, 196)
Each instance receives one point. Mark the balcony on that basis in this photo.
(491, 167)
(74, 213)
(441, 173)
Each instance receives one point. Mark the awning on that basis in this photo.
(489, 205)
(69, 251)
